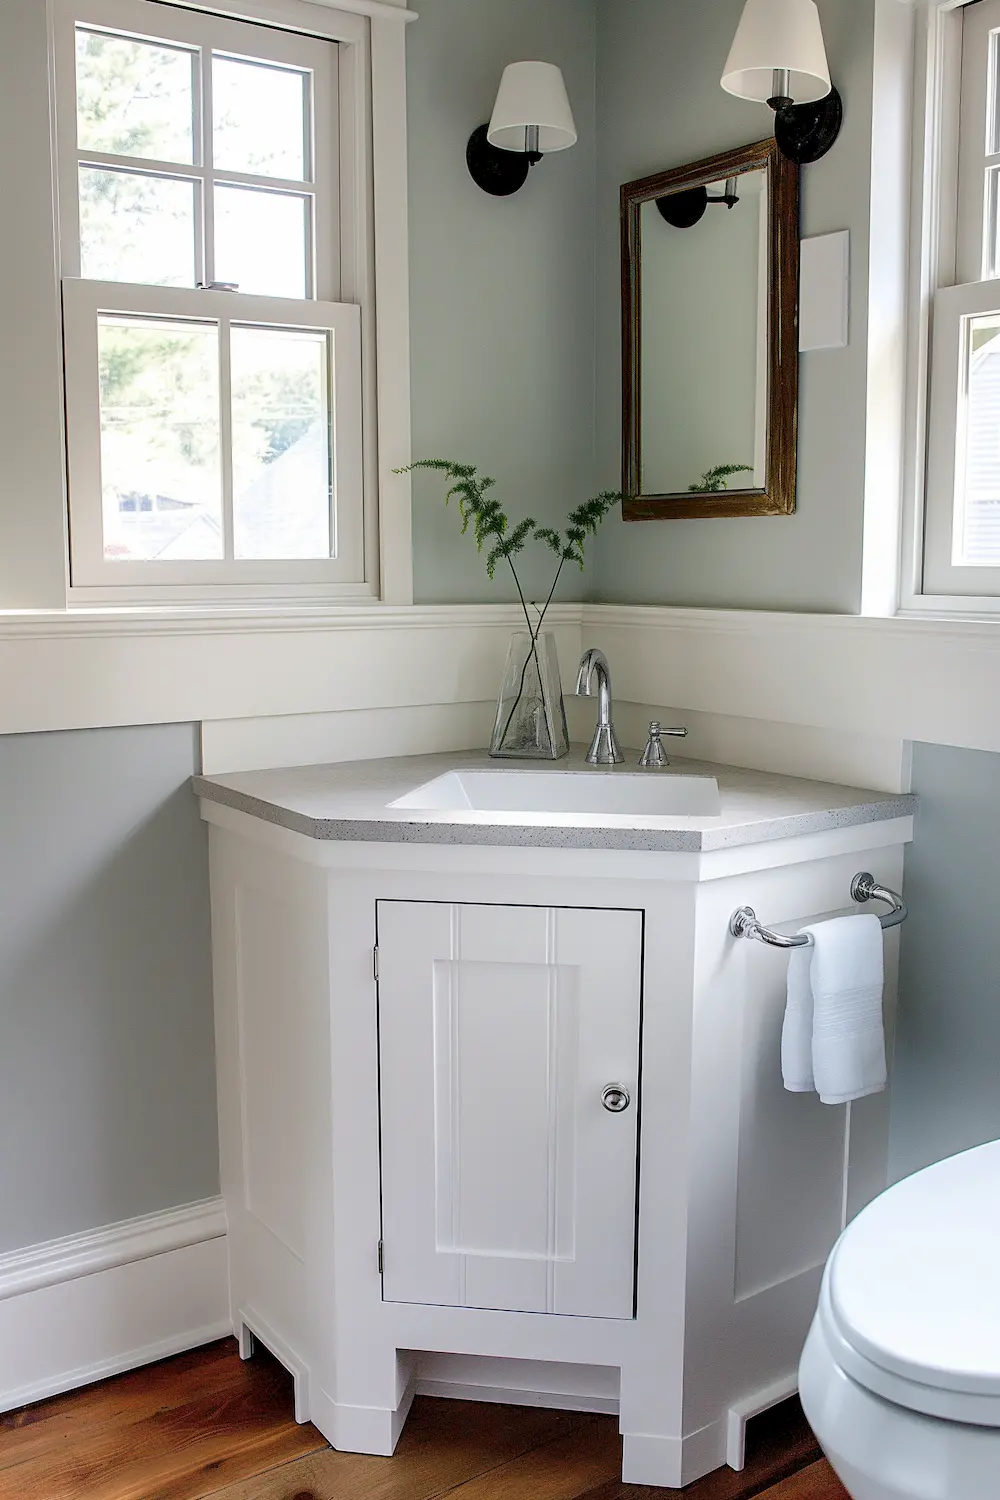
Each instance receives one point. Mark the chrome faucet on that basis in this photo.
(604, 748)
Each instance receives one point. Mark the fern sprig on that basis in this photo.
(491, 525)
(714, 480)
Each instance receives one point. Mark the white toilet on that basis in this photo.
(900, 1376)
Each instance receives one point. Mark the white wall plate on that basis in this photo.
(824, 292)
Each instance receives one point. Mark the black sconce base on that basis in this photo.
(497, 172)
(805, 132)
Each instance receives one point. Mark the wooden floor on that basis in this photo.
(206, 1424)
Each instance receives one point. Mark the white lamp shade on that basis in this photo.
(532, 93)
(778, 34)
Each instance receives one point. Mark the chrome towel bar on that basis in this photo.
(743, 923)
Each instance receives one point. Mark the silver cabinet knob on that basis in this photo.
(615, 1098)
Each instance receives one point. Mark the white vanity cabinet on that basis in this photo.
(509, 1094)
(505, 1121)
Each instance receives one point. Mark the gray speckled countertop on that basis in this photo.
(349, 802)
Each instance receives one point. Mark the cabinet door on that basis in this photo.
(507, 1182)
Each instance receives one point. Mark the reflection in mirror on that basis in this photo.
(703, 391)
(710, 289)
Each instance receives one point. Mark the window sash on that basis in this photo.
(978, 114)
(147, 20)
(953, 306)
(83, 302)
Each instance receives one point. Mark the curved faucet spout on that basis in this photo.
(604, 748)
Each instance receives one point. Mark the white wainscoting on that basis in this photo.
(71, 672)
(860, 687)
(903, 679)
(82, 1308)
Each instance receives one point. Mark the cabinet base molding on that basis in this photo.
(672, 1462)
(361, 1429)
(91, 1305)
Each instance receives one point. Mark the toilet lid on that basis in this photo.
(914, 1282)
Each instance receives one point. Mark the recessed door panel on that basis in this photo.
(507, 1181)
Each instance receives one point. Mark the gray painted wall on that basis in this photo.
(946, 1085)
(659, 105)
(107, 1070)
(502, 289)
(514, 369)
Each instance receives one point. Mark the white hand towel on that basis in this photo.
(797, 1030)
(835, 990)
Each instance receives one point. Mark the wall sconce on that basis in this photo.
(531, 117)
(778, 58)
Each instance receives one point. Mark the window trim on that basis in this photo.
(934, 262)
(352, 573)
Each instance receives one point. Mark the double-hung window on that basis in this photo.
(962, 507)
(213, 375)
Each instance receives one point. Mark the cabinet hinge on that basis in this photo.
(375, 961)
(380, 1265)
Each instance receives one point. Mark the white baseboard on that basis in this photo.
(752, 1406)
(79, 1309)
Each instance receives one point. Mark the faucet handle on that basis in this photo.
(654, 757)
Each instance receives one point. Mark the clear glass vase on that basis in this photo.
(531, 717)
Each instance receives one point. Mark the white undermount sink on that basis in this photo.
(655, 794)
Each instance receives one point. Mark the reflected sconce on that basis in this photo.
(531, 117)
(778, 58)
(686, 209)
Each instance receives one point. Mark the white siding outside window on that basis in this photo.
(214, 396)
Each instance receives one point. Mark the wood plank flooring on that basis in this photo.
(207, 1426)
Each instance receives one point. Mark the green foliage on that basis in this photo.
(480, 510)
(581, 522)
(714, 480)
(490, 522)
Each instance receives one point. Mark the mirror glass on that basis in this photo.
(710, 257)
(703, 335)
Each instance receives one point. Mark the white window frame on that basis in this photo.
(940, 300)
(354, 575)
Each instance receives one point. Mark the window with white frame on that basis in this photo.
(962, 506)
(213, 375)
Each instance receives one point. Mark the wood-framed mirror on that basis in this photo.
(710, 283)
